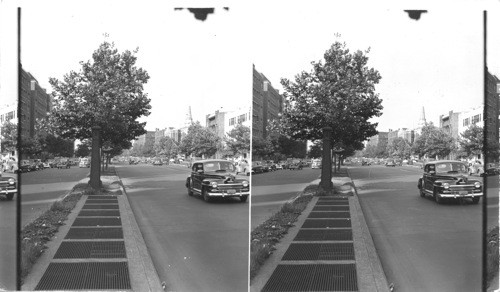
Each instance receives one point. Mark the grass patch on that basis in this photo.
(265, 236)
(492, 254)
(36, 234)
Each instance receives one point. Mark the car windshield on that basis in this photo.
(222, 166)
(450, 167)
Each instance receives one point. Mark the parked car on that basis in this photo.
(316, 163)
(492, 169)
(63, 164)
(257, 167)
(216, 178)
(46, 165)
(476, 167)
(157, 162)
(366, 163)
(448, 179)
(390, 163)
(284, 164)
(271, 165)
(8, 186)
(243, 167)
(84, 162)
(296, 166)
(279, 166)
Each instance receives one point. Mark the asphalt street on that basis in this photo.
(423, 246)
(8, 236)
(270, 190)
(41, 188)
(195, 245)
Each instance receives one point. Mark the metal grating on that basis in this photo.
(290, 278)
(326, 223)
(106, 221)
(319, 251)
(313, 278)
(332, 199)
(323, 234)
(329, 215)
(332, 202)
(91, 249)
(94, 233)
(101, 197)
(335, 278)
(113, 213)
(331, 208)
(85, 276)
(100, 207)
(101, 201)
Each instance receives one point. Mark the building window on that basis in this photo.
(476, 119)
(232, 121)
(466, 122)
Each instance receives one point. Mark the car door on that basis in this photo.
(197, 177)
(429, 173)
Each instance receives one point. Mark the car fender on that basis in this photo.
(419, 184)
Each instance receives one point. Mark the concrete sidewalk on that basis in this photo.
(100, 247)
(329, 249)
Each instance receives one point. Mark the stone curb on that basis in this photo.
(143, 275)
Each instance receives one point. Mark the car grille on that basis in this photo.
(462, 187)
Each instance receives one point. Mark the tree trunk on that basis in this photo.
(335, 163)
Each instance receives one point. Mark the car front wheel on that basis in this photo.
(243, 199)
(11, 196)
(206, 197)
(475, 200)
(190, 192)
(437, 198)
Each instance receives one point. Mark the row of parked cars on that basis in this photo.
(267, 166)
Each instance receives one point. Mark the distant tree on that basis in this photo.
(433, 142)
(238, 140)
(57, 146)
(107, 92)
(399, 147)
(263, 148)
(471, 141)
(316, 150)
(166, 146)
(148, 148)
(200, 141)
(30, 146)
(8, 134)
(83, 149)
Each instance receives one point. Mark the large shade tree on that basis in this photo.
(200, 141)
(107, 91)
(238, 140)
(339, 92)
(8, 134)
(433, 142)
(399, 147)
(471, 141)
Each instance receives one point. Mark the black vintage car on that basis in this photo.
(8, 187)
(448, 179)
(217, 178)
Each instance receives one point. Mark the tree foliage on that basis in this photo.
(316, 150)
(9, 137)
(433, 142)
(166, 146)
(83, 149)
(399, 147)
(339, 92)
(471, 141)
(238, 140)
(106, 92)
(200, 141)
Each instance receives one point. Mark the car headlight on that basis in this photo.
(12, 181)
(446, 186)
(214, 184)
(244, 183)
(477, 185)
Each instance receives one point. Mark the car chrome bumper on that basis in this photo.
(455, 196)
(8, 191)
(224, 195)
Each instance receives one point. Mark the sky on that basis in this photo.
(190, 62)
(435, 62)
